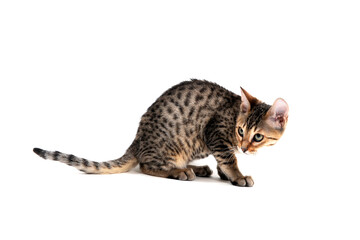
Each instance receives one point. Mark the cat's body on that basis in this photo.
(191, 121)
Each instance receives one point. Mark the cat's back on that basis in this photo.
(196, 93)
(188, 103)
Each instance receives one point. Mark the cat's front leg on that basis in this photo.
(219, 143)
(228, 170)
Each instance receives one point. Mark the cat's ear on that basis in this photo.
(277, 115)
(247, 101)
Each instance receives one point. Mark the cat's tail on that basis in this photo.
(120, 165)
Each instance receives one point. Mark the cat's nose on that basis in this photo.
(244, 149)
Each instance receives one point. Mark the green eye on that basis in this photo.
(258, 137)
(241, 132)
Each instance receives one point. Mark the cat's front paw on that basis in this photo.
(246, 181)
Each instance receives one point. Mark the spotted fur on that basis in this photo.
(191, 121)
(256, 115)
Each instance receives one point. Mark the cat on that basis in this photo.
(190, 121)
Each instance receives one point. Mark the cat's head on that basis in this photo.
(260, 124)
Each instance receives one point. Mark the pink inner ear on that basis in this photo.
(280, 120)
(279, 112)
(245, 104)
(244, 108)
(280, 108)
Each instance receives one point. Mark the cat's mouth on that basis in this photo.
(250, 152)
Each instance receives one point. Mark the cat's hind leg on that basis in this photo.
(184, 174)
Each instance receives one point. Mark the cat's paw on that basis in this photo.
(246, 181)
(202, 171)
(184, 174)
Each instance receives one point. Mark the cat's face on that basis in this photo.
(259, 124)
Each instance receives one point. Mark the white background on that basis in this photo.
(76, 76)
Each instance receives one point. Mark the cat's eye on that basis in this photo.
(258, 137)
(241, 132)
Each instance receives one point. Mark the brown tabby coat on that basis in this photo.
(191, 121)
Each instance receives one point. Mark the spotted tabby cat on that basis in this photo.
(191, 121)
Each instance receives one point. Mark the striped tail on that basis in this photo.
(123, 164)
